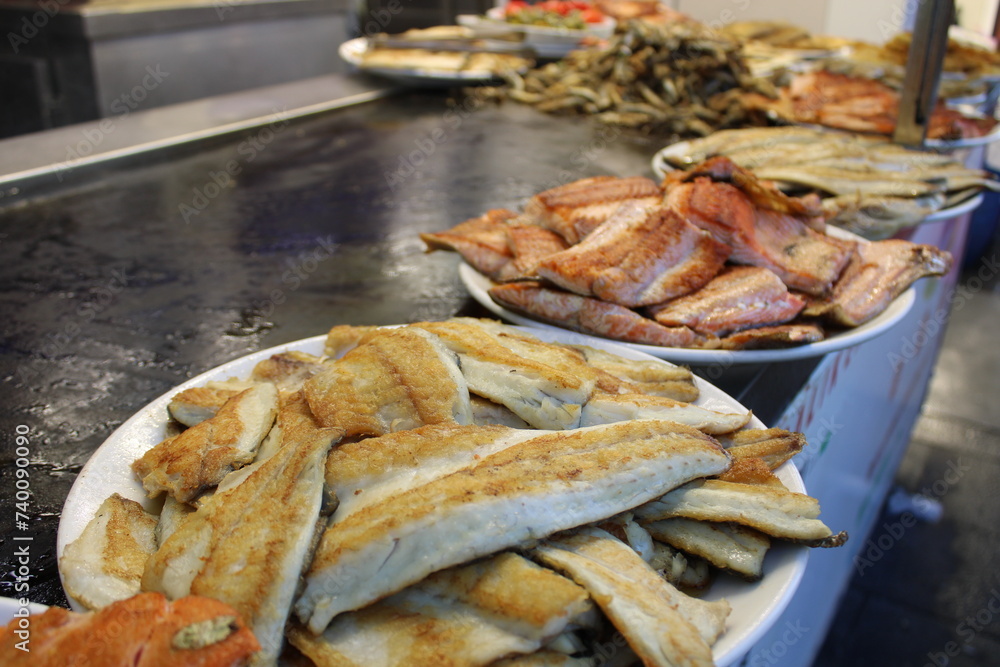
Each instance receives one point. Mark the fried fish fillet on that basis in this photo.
(464, 616)
(540, 394)
(773, 445)
(638, 257)
(288, 370)
(345, 337)
(195, 405)
(371, 470)
(247, 546)
(144, 630)
(575, 209)
(529, 245)
(395, 379)
(198, 458)
(662, 625)
(740, 297)
(878, 273)
(654, 378)
(777, 336)
(588, 315)
(775, 511)
(728, 546)
(105, 563)
(534, 488)
(605, 409)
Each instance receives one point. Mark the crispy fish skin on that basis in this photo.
(463, 616)
(878, 273)
(105, 563)
(201, 456)
(534, 488)
(288, 370)
(528, 244)
(663, 626)
(741, 297)
(774, 445)
(775, 511)
(575, 209)
(728, 546)
(248, 545)
(638, 257)
(396, 379)
(544, 396)
(605, 409)
(589, 315)
(342, 338)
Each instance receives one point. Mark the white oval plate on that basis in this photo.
(353, 50)
(755, 607)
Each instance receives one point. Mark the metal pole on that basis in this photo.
(923, 70)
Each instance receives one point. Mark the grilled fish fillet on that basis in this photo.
(540, 394)
(534, 488)
(529, 245)
(396, 379)
(803, 258)
(105, 563)
(775, 511)
(779, 335)
(201, 456)
(774, 445)
(589, 315)
(740, 297)
(343, 338)
(878, 273)
(638, 257)
(652, 377)
(605, 409)
(574, 210)
(248, 545)
(143, 631)
(728, 546)
(465, 616)
(482, 242)
(662, 625)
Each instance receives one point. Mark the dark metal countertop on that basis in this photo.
(129, 279)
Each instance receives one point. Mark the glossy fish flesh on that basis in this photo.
(739, 298)
(639, 256)
(574, 210)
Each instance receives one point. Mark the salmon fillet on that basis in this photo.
(803, 258)
(878, 273)
(574, 210)
(740, 297)
(589, 315)
(639, 256)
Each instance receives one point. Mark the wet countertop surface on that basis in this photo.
(125, 282)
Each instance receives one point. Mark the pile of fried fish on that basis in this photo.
(869, 185)
(712, 258)
(453, 493)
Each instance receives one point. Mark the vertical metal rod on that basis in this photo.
(923, 70)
